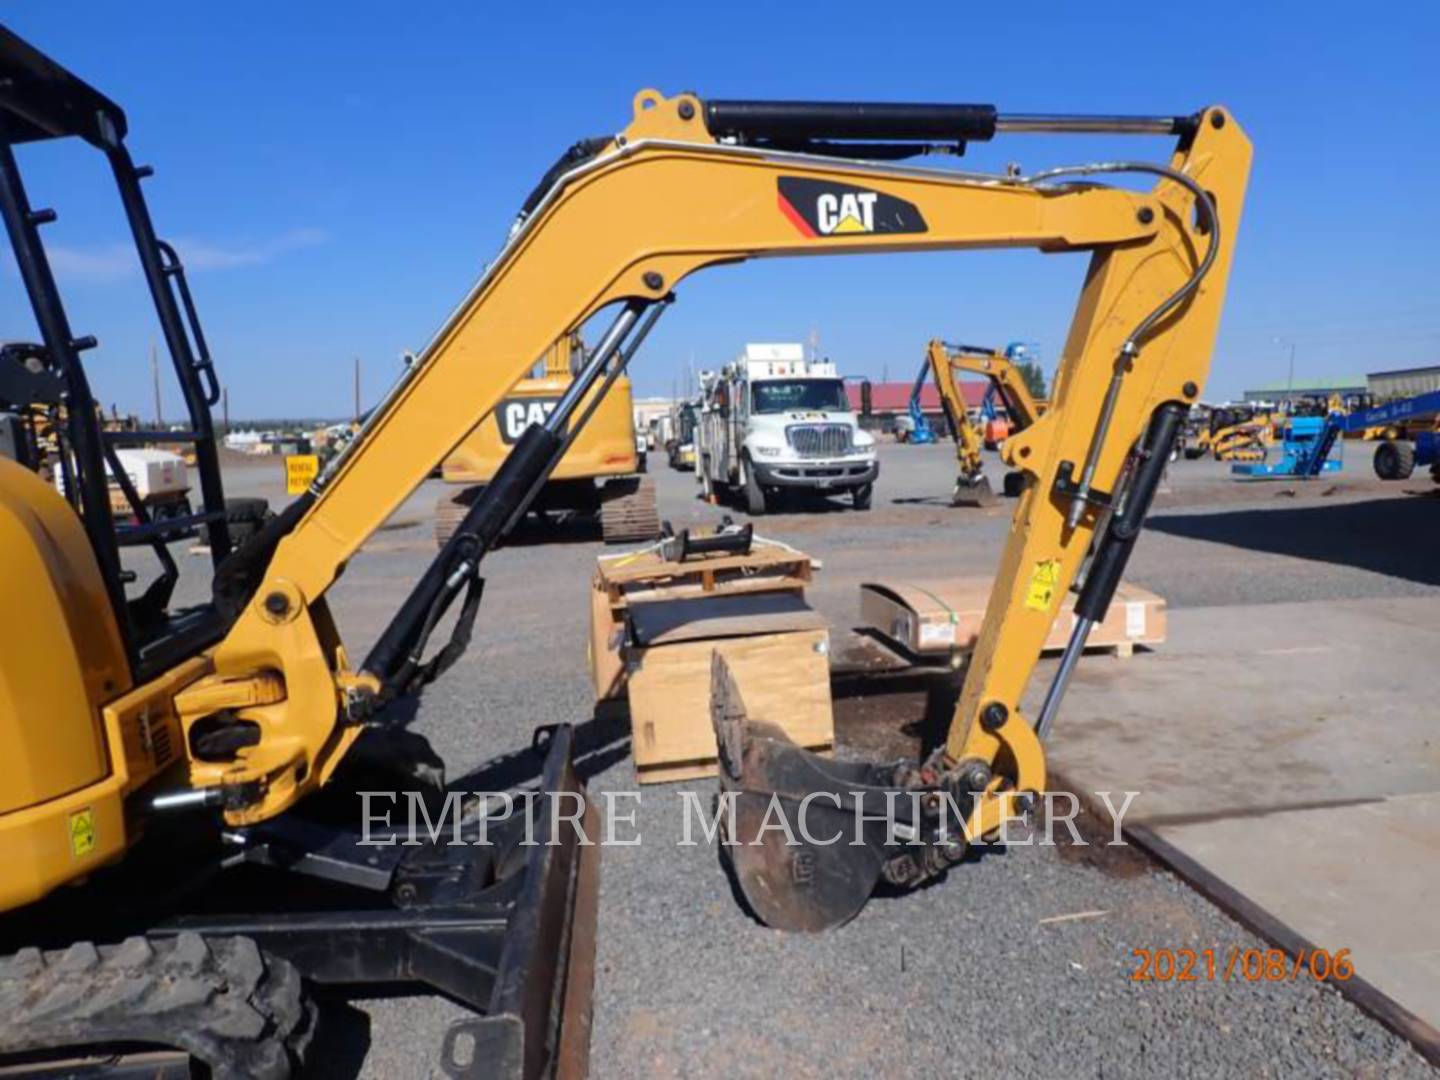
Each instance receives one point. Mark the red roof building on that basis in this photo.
(894, 397)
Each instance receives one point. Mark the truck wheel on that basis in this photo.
(1394, 460)
(754, 493)
(861, 496)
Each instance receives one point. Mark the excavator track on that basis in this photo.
(219, 1001)
(450, 510)
(628, 512)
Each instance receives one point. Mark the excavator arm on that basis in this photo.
(945, 361)
(690, 184)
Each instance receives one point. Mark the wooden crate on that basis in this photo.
(644, 577)
(778, 651)
(940, 618)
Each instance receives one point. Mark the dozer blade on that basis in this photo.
(538, 1020)
(974, 491)
(807, 839)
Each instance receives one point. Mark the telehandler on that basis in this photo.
(185, 747)
(943, 362)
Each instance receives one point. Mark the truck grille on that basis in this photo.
(819, 440)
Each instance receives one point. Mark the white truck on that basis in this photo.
(772, 421)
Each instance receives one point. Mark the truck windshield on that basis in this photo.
(782, 395)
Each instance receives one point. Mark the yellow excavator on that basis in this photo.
(174, 875)
(1234, 433)
(944, 362)
(599, 476)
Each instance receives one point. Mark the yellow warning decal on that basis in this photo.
(82, 832)
(1043, 583)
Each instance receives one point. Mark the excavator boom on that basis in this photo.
(690, 184)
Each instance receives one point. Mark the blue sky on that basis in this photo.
(335, 175)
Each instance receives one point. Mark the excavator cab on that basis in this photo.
(43, 384)
(97, 771)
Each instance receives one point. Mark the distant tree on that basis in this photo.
(1034, 376)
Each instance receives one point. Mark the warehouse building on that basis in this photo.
(1403, 382)
(1307, 389)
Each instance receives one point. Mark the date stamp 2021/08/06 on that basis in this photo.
(1237, 964)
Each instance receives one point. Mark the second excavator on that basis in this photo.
(944, 362)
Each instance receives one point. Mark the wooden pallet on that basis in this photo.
(645, 575)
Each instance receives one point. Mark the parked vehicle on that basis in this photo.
(772, 421)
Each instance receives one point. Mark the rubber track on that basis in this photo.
(239, 1011)
(632, 515)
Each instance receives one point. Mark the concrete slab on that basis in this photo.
(1363, 877)
(1260, 708)
(1287, 757)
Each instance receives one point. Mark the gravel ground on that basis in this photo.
(957, 979)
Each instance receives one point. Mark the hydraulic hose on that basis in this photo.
(1209, 220)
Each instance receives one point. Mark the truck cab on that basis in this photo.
(773, 421)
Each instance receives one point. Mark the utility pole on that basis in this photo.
(225, 409)
(1290, 375)
(357, 389)
(155, 379)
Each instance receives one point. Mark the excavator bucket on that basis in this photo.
(806, 838)
(972, 492)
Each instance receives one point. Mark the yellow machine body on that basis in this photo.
(605, 447)
(62, 769)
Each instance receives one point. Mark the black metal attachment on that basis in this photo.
(993, 716)
(728, 539)
(1124, 528)
(501, 924)
(396, 658)
(1065, 485)
(752, 121)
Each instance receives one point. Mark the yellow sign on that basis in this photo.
(1043, 583)
(82, 832)
(300, 473)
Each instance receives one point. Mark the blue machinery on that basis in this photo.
(1304, 451)
(1308, 440)
(1395, 459)
(920, 430)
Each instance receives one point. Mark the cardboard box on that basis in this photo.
(778, 651)
(938, 618)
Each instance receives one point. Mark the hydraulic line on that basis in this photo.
(1121, 530)
(1130, 349)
